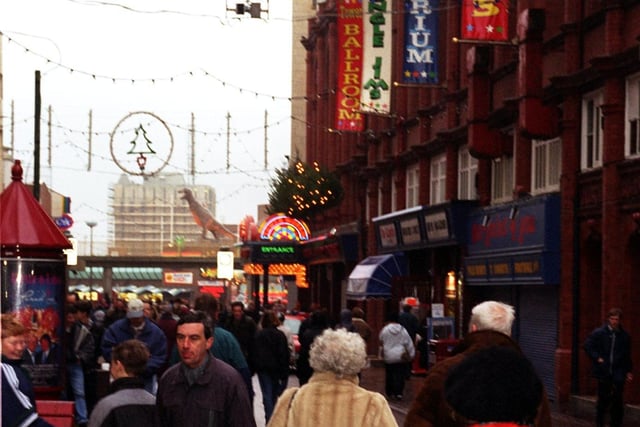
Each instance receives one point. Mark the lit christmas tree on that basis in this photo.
(302, 191)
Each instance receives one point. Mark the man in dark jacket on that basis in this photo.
(79, 357)
(128, 403)
(271, 361)
(609, 347)
(489, 326)
(225, 345)
(243, 328)
(136, 326)
(201, 390)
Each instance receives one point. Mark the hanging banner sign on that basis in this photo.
(376, 63)
(348, 117)
(420, 64)
(485, 20)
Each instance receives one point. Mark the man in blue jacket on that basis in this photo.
(136, 326)
(609, 347)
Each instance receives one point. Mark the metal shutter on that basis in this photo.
(537, 332)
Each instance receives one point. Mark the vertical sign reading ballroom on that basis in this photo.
(485, 20)
(376, 63)
(348, 117)
(420, 64)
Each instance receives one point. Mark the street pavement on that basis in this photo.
(373, 379)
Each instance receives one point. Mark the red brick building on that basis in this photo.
(515, 177)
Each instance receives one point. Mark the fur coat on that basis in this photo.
(330, 401)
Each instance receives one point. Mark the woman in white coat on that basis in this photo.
(397, 350)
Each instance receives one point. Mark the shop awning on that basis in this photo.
(373, 276)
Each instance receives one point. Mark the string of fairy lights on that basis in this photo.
(70, 135)
(174, 78)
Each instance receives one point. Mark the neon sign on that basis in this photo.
(282, 227)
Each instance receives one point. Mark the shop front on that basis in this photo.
(513, 256)
(328, 258)
(429, 240)
(278, 265)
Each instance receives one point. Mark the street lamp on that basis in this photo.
(91, 224)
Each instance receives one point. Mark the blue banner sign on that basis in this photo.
(420, 63)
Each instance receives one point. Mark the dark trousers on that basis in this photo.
(395, 375)
(609, 397)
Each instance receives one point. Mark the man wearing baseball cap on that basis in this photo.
(136, 326)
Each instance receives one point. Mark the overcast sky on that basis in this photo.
(167, 58)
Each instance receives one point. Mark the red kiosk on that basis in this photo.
(33, 279)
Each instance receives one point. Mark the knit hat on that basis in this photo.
(134, 308)
(497, 384)
(99, 316)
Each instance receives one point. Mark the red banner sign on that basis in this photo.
(485, 20)
(350, 39)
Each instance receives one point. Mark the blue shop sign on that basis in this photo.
(423, 227)
(519, 242)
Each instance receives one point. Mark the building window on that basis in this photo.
(632, 123)
(546, 165)
(592, 131)
(467, 171)
(438, 179)
(502, 179)
(413, 185)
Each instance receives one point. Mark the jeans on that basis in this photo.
(76, 381)
(395, 375)
(272, 387)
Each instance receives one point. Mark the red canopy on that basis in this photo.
(23, 222)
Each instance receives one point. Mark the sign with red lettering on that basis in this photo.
(388, 236)
(350, 36)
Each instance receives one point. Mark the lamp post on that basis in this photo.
(91, 225)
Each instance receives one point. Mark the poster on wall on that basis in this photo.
(34, 291)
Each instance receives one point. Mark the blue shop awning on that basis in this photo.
(373, 276)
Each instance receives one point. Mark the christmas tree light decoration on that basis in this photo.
(303, 191)
(149, 161)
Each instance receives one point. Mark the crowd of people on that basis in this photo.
(192, 363)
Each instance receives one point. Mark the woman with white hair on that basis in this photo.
(332, 396)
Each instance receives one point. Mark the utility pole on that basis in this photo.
(90, 139)
(228, 137)
(266, 162)
(49, 152)
(193, 148)
(36, 139)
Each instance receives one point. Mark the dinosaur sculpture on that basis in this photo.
(204, 218)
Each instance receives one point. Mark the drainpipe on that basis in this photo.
(575, 330)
